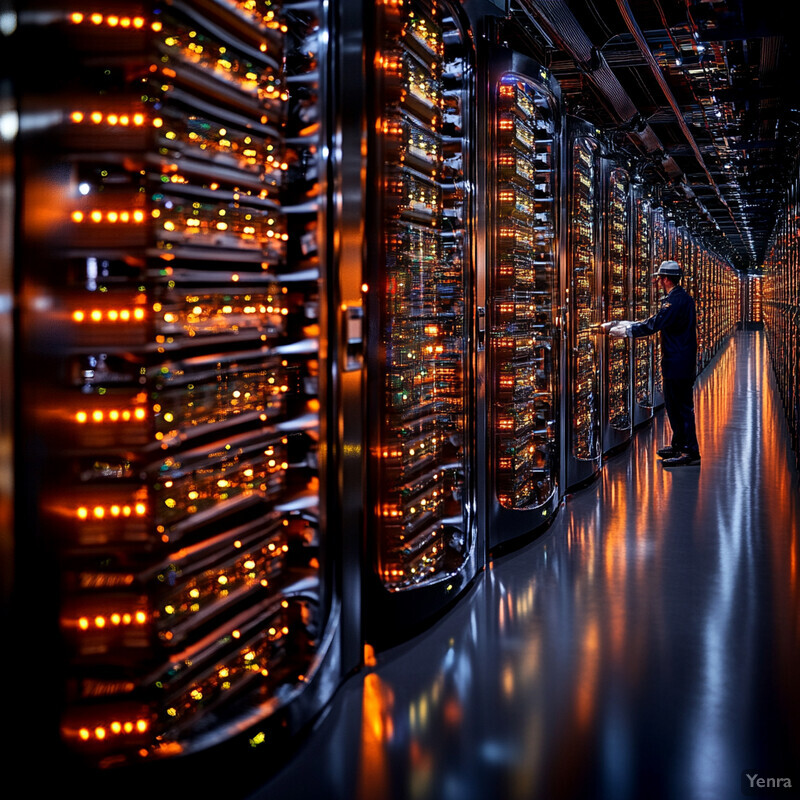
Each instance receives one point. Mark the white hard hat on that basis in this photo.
(669, 269)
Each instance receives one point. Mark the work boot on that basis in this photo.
(683, 460)
(668, 452)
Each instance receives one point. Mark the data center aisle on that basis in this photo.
(648, 646)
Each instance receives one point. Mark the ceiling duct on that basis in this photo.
(561, 27)
(636, 31)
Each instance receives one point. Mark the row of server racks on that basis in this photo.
(305, 325)
(776, 295)
(752, 302)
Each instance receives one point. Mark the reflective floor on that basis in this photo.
(648, 646)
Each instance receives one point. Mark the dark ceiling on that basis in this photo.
(704, 92)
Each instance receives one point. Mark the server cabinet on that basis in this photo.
(660, 253)
(780, 306)
(617, 401)
(522, 297)
(692, 282)
(173, 485)
(704, 349)
(751, 299)
(641, 282)
(421, 538)
(581, 283)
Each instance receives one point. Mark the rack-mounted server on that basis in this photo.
(173, 303)
(617, 414)
(582, 293)
(421, 533)
(522, 280)
(643, 356)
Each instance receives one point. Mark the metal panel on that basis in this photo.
(641, 282)
(174, 317)
(422, 537)
(617, 400)
(523, 336)
(581, 284)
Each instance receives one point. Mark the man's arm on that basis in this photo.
(660, 320)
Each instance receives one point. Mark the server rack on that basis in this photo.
(785, 355)
(683, 256)
(660, 253)
(690, 265)
(714, 285)
(701, 300)
(172, 269)
(696, 289)
(522, 296)
(422, 537)
(643, 364)
(751, 301)
(581, 301)
(733, 314)
(713, 343)
(790, 291)
(693, 284)
(617, 412)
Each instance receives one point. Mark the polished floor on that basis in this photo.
(647, 647)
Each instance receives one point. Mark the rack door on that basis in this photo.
(661, 250)
(523, 282)
(641, 280)
(582, 286)
(617, 400)
(173, 277)
(421, 540)
(701, 304)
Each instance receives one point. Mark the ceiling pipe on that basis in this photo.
(644, 48)
(559, 24)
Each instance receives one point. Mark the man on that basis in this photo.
(677, 322)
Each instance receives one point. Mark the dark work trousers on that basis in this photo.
(679, 402)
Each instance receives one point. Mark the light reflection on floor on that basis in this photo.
(647, 646)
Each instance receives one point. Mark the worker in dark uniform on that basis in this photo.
(677, 322)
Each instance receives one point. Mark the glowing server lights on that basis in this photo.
(584, 297)
(522, 338)
(779, 303)
(183, 402)
(421, 455)
(110, 20)
(617, 370)
(642, 268)
(660, 253)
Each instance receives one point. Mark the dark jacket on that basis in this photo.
(677, 321)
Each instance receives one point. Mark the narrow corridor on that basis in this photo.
(647, 646)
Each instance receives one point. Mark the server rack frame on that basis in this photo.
(660, 250)
(292, 710)
(615, 436)
(576, 470)
(505, 525)
(641, 284)
(393, 614)
(346, 147)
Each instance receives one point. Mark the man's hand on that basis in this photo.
(620, 330)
